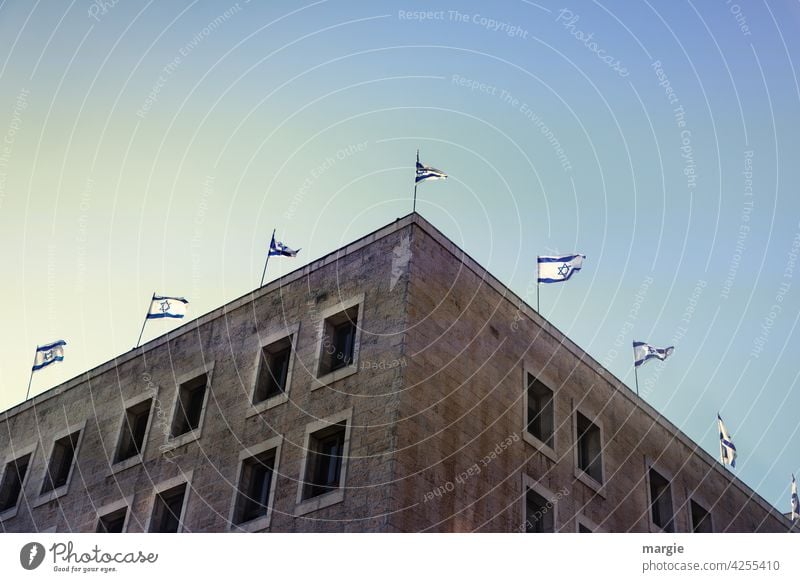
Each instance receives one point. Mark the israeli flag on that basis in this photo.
(49, 354)
(558, 269)
(427, 173)
(643, 352)
(727, 452)
(280, 249)
(795, 501)
(174, 307)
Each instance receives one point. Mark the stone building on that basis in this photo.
(393, 385)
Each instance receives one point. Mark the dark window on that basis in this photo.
(324, 464)
(583, 529)
(540, 411)
(191, 396)
(255, 483)
(661, 501)
(11, 486)
(60, 462)
(167, 510)
(701, 519)
(133, 428)
(338, 342)
(590, 459)
(538, 513)
(112, 522)
(273, 370)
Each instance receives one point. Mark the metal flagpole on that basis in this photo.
(264, 274)
(414, 209)
(636, 375)
(537, 295)
(27, 394)
(145, 320)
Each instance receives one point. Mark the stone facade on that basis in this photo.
(434, 407)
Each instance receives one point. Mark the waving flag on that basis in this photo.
(727, 452)
(795, 501)
(643, 352)
(558, 269)
(174, 307)
(48, 354)
(428, 173)
(277, 248)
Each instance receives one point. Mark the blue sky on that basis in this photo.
(155, 146)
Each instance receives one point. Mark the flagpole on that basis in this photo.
(264, 274)
(537, 295)
(30, 379)
(636, 375)
(145, 320)
(414, 208)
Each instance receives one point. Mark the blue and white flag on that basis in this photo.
(727, 452)
(643, 352)
(558, 269)
(174, 307)
(427, 173)
(49, 354)
(795, 501)
(280, 249)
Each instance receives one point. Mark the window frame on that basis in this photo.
(320, 321)
(653, 526)
(113, 507)
(263, 522)
(164, 486)
(547, 450)
(583, 520)
(529, 482)
(15, 454)
(173, 442)
(598, 487)
(57, 492)
(117, 466)
(273, 401)
(304, 506)
(694, 498)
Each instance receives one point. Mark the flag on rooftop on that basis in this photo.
(427, 173)
(48, 354)
(642, 352)
(557, 269)
(795, 501)
(277, 248)
(727, 451)
(160, 306)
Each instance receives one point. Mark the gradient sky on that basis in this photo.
(154, 146)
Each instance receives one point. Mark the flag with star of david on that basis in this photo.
(48, 354)
(642, 352)
(795, 500)
(558, 269)
(174, 307)
(727, 450)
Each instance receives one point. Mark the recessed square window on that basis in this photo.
(540, 419)
(189, 407)
(324, 461)
(539, 514)
(167, 510)
(13, 478)
(701, 518)
(339, 341)
(661, 501)
(590, 448)
(61, 459)
(134, 427)
(273, 370)
(113, 522)
(583, 528)
(255, 485)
